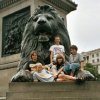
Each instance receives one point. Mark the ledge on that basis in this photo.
(54, 91)
(66, 5)
(9, 65)
(53, 86)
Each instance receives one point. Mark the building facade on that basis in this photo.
(93, 57)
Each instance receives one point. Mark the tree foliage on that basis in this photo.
(93, 70)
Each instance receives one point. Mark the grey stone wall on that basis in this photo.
(5, 76)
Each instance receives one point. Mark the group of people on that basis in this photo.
(59, 69)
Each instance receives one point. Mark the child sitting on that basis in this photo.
(41, 74)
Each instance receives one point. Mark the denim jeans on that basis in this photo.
(73, 67)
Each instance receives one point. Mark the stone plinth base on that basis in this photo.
(54, 91)
(5, 76)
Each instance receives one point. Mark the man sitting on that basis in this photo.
(76, 62)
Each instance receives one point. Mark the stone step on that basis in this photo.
(2, 98)
(85, 98)
(53, 86)
(50, 95)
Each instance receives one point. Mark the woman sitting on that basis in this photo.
(58, 72)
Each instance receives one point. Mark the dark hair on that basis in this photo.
(74, 47)
(60, 57)
(57, 36)
(32, 53)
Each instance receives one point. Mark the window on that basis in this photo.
(93, 61)
(92, 55)
(84, 58)
(97, 54)
(97, 60)
(87, 57)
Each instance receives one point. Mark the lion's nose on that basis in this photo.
(41, 21)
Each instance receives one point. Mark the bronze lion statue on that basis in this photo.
(39, 35)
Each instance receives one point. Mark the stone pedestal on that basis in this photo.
(54, 91)
(8, 63)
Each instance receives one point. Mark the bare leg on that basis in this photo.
(66, 77)
(60, 79)
(70, 77)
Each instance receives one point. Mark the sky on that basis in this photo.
(84, 25)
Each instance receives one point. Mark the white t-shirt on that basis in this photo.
(57, 49)
(43, 76)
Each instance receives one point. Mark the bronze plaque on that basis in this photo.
(13, 27)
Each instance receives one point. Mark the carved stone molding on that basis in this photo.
(5, 3)
(9, 65)
(66, 5)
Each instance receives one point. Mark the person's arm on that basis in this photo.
(54, 71)
(51, 54)
(46, 67)
(60, 70)
(51, 57)
(81, 62)
(63, 51)
(81, 65)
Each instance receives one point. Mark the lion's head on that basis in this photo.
(40, 31)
